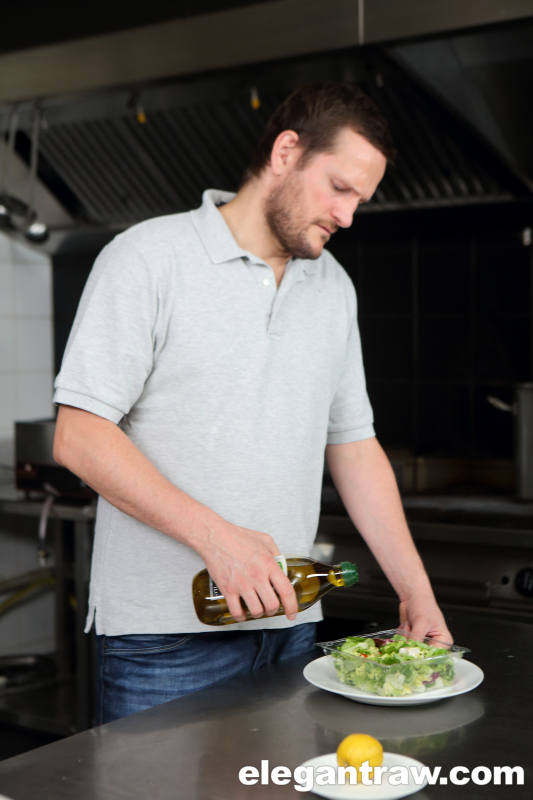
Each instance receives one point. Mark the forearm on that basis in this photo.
(240, 560)
(100, 453)
(365, 481)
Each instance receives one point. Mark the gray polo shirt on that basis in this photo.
(231, 388)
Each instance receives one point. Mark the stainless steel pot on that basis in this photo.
(522, 409)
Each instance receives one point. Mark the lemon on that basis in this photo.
(357, 748)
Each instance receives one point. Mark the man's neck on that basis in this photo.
(245, 218)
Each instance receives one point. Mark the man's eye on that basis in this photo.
(338, 188)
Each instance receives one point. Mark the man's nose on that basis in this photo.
(343, 213)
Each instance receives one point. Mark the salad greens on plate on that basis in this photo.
(395, 666)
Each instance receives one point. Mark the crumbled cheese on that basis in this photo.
(410, 651)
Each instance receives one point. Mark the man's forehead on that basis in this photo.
(353, 162)
(349, 151)
(348, 143)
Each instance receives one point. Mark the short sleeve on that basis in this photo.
(110, 351)
(351, 418)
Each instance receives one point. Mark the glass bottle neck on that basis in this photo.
(335, 576)
(343, 574)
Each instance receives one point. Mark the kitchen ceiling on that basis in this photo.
(59, 21)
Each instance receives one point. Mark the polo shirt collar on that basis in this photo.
(218, 239)
(213, 230)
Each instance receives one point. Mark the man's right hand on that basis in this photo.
(241, 563)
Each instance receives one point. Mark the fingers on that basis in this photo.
(449, 638)
(441, 634)
(404, 617)
(418, 632)
(286, 593)
(258, 601)
(235, 608)
(421, 628)
(241, 562)
(420, 618)
(269, 599)
(264, 600)
(427, 628)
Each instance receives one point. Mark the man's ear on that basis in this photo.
(285, 152)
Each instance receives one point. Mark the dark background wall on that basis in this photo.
(70, 272)
(445, 299)
(445, 319)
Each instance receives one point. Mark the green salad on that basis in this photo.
(393, 667)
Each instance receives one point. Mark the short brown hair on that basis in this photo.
(317, 112)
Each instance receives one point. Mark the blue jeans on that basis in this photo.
(140, 671)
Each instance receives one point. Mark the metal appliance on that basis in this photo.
(522, 409)
(36, 470)
(485, 569)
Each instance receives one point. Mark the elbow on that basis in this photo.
(62, 442)
(77, 438)
(59, 450)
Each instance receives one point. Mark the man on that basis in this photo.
(214, 357)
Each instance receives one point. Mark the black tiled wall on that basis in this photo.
(445, 317)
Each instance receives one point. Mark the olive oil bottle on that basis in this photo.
(311, 580)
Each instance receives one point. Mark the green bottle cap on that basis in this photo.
(349, 573)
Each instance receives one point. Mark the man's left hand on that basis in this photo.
(420, 616)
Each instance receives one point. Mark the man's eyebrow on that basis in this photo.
(346, 185)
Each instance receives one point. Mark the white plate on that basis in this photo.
(358, 791)
(321, 673)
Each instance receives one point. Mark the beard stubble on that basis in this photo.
(285, 216)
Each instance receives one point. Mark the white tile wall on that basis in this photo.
(33, 398)
(6, 282)
(32, 284)
(5, 249)
(33, 352)
(7, 345)
(7, 403)
(26, 338)
(26, 378)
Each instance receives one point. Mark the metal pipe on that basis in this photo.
(34, 157)
(17, 582)
(524, 440)
(522, 409)
(7, 159)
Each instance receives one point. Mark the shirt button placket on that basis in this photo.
(269, 298)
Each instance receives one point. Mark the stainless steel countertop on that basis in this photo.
(13, 501)
(498, 505)
(193, 748)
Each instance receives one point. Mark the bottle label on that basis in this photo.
(216, 594)
(282, 562)
(214, 591)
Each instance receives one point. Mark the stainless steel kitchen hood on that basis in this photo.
(110, 170)
(202, 134)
